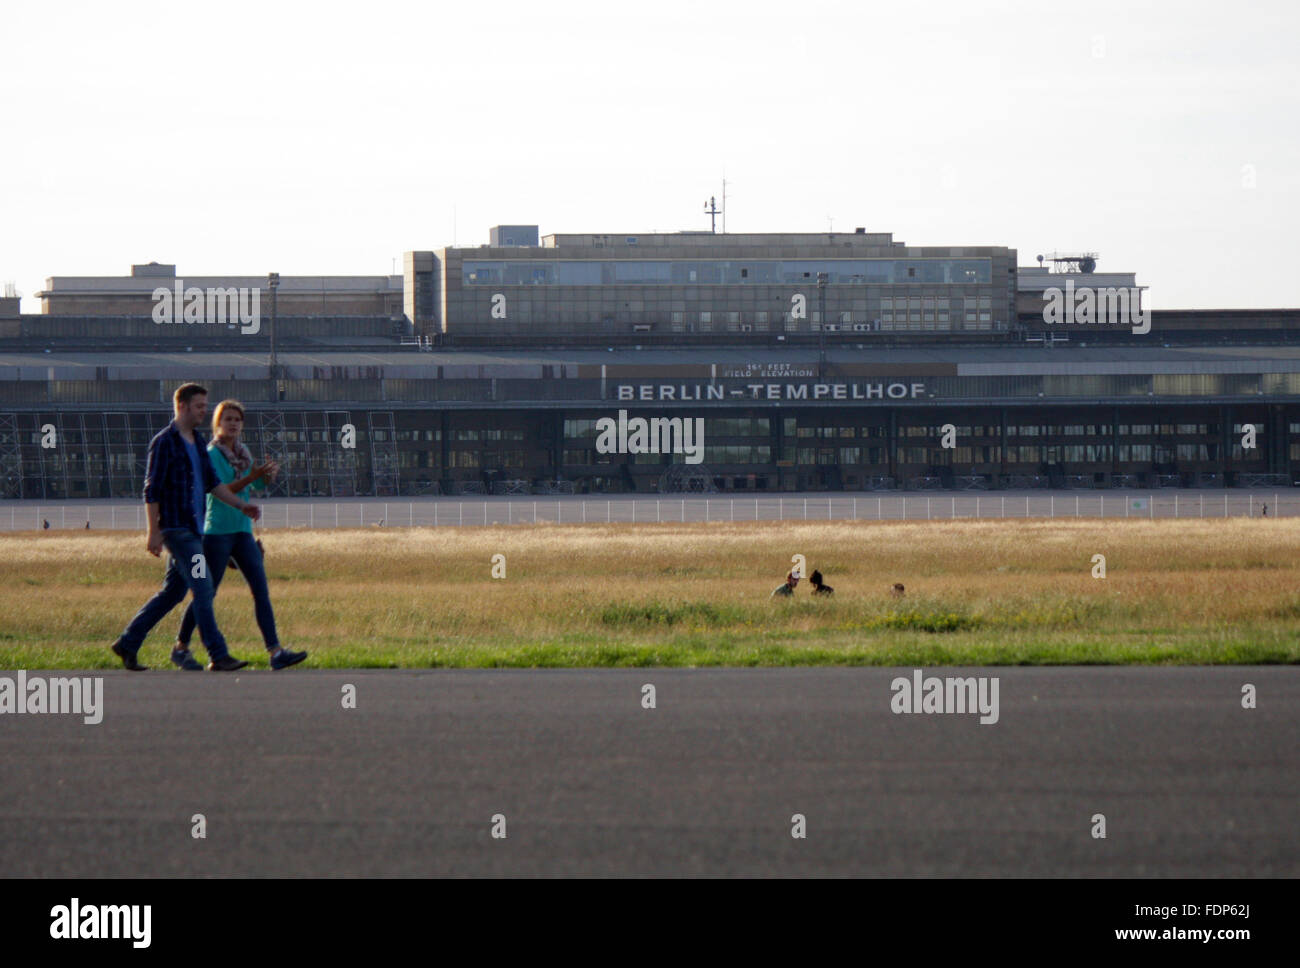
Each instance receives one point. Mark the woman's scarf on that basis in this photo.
(240, 457)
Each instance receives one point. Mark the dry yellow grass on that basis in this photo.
(978, 591)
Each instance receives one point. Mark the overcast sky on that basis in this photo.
(318, 138)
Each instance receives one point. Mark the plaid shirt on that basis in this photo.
(169, 478)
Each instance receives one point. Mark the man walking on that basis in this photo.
(177, 478)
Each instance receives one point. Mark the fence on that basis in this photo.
(443, 512)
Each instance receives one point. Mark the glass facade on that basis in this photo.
(424, 451)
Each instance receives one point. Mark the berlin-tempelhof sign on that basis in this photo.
(651, 392)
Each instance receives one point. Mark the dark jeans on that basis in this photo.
(220, 548)
(182, 544)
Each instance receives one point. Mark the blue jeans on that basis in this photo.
(183, 544)
(219, 549)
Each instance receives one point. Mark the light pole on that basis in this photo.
(822, 279)
(273, 283)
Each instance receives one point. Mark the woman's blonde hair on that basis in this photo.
(222, 407)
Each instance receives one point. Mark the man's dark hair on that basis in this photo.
(187, 392)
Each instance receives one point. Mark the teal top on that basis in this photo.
(222, 518)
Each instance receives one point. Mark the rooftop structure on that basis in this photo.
(133, 295)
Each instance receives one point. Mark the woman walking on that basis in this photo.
(228, 537)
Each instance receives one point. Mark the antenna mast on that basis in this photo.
(1072, 261)
(711, 208)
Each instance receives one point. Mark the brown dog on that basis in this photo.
(897, 590)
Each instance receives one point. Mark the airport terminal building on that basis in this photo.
(818, 361)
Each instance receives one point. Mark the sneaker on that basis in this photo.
(184, 659)
(128, 658)
(282, 658)
(227, 663)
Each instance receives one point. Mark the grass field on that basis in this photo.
(978, 592)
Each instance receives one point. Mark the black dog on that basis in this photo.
(819, 586)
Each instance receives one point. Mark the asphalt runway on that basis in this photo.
(408, 782)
